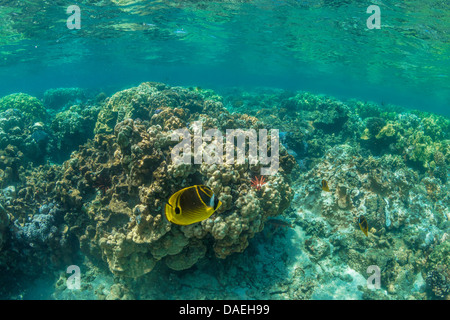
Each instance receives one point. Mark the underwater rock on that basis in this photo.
(419, 140)
(125, 257)
(32, 139)
(40, 136)
(375, 125)
(317, 248)
(4, 223)
(187, 257)
(31, 107)
(71, 128)
(107, 199)
(379, 136)
(438, 282)
(10, 164)
(440, 167)
(36, 245)
(9, 193)
(129, 223)
(395, 205)
(438, 271)
(119, 292)
(38, 230)
(138, 102)
(58, 98)
(12, 125)
(41, 227)
(332, 116)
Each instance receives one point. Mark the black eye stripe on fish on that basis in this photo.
(204, 197)
(216, 203)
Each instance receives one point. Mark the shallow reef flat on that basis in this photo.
(84, 178)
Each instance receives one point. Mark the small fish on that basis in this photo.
(325, 186)
(279, 223)
(363, 225)
(191, 205)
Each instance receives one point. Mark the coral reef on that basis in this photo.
(17, 133)
(4, 223)
(385, 163)
(394, 201)
(39, 141)
(438, 271)
(125, 224)
(31, 107)
(58, 98)
(36, 231)
(72, 128)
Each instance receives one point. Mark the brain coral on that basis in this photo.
(117, 184)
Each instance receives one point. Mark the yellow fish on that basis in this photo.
(191, 204)
(363, 225)
(325, 186)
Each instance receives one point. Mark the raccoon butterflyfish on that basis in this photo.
(191, 204)
(325, 186)
(363, 225)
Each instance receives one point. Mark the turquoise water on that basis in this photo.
(85, 159)
(322, 46)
